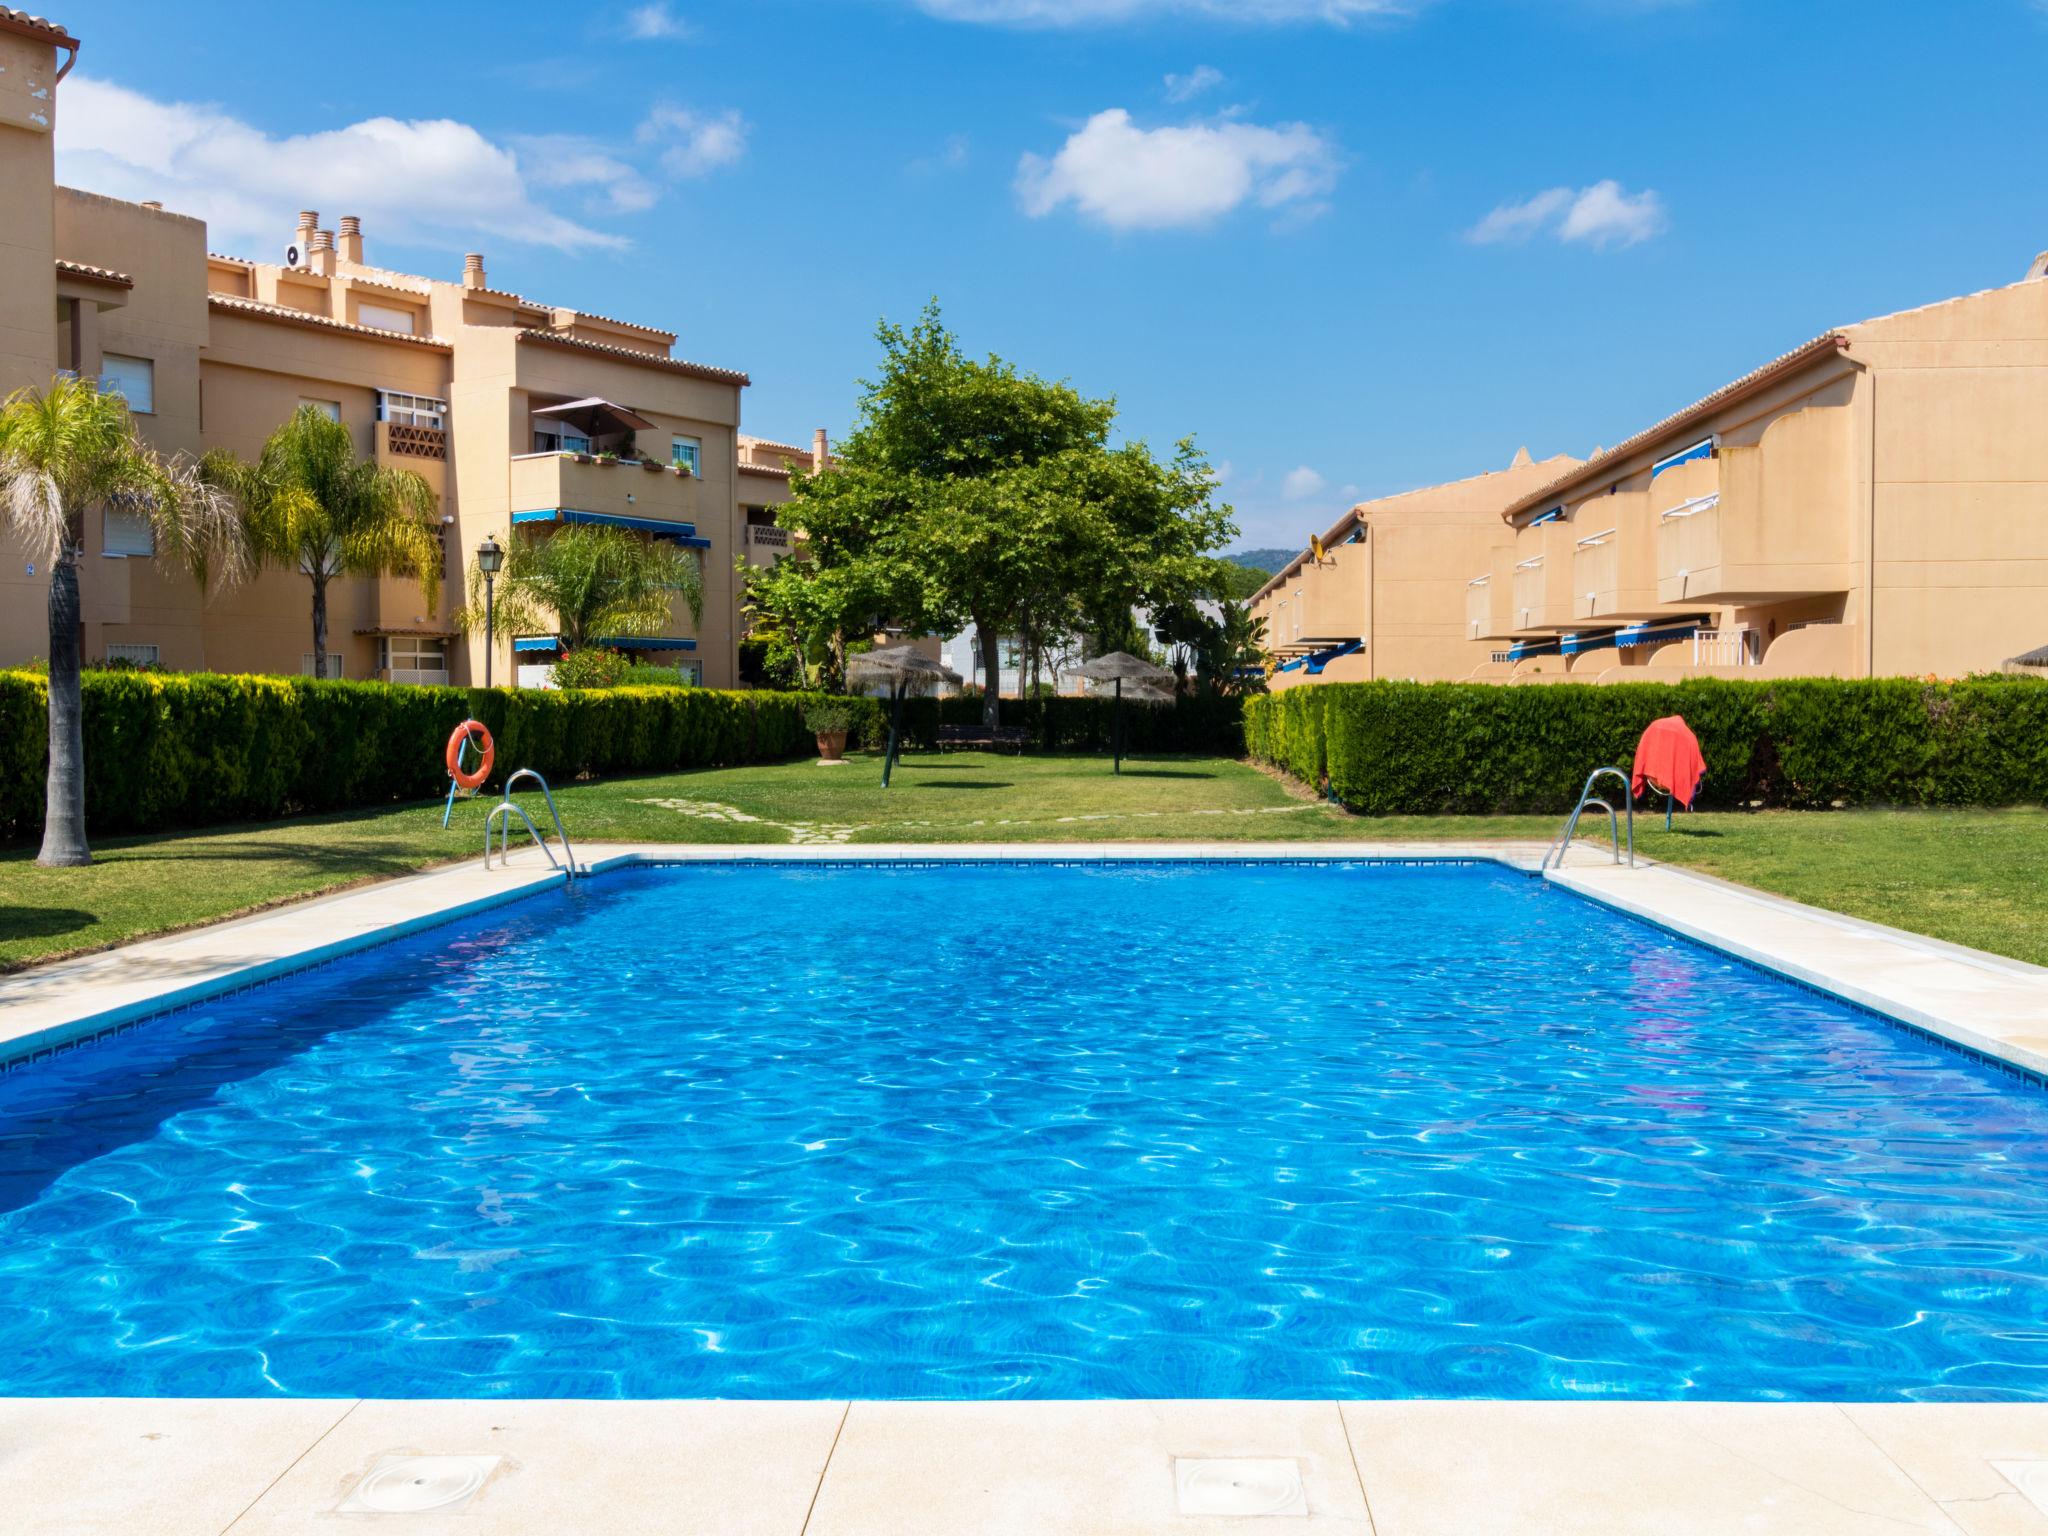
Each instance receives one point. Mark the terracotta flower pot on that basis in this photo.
(831, 745)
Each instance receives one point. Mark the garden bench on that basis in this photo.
(1013, 737)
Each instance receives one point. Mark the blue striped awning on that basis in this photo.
(545, 643)
(1522, 649)
(1700, 450)
(1546, 517)
(1571, 645)
(1315, 661)
(1647, 634)
(684, 534)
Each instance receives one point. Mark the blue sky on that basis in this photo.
(1353, 246)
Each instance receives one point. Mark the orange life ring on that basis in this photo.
(467, 731)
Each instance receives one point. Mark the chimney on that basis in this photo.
(320, 253)
(352, 238)
(308, 222)
(473, 270)
(819, 445)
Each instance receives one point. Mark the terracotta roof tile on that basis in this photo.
(94, 274)
(634, 355)
(629, 325)
(763, 469)
(261, 311)
(772, 446)
(1822, 345)
(42, 26)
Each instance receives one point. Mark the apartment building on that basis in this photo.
(764, 478)
(1380, 595)
(1872, 503)
(525, 416)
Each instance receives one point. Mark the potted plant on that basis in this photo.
(830, 721)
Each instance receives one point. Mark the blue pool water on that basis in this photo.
(1146, 1131)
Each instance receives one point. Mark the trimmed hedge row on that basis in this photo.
(190, 749)
(1424, 748)
(194, 749)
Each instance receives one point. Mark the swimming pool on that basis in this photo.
(1132, 1130)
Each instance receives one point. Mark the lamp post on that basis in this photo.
(490, 559)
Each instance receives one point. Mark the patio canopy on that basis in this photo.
(684, 534)
(594, 417)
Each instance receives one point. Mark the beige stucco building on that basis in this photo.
(1381, 594)
(523, 416)
(1872, 503)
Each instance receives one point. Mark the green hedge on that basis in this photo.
(191, 749)
(1422, 748)
(194, 749)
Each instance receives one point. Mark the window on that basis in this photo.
(688, 452)
(411, 410)
(331, 409)
(125, 534)
(556, 439)
(413, 658)
(333, 664)
(385, 317)
(133, 379)
(133, 655)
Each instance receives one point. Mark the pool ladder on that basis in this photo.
(1586, 798)
(507, 808)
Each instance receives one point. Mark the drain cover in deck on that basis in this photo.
(2030, 1477)
(1215, 1485)
(418, 1485)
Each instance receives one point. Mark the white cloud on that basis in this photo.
(1129, 177)
(655, 23)
(1085, 13)
(694, 143)
(1187, 87)
(430, 182)
(1600, 215)
(608, 183)
(1300, 484)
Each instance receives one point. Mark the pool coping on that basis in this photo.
(1984, 1004)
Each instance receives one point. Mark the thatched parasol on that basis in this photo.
(1118, 668)
(903, 671)
(2035, 660)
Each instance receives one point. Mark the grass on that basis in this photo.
(1967, 876)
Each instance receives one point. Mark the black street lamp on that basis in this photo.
(490, 559)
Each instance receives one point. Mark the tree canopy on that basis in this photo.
(972, 493)
(587, 583)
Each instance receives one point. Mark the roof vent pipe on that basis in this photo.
(473, 270)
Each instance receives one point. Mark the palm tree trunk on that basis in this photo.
(991, 673)
(64, 844)
(319, 626)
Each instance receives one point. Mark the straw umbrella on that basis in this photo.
(903, 671)
(1118, 668)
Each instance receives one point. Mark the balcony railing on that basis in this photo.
(768, 535)
(611, 488)
(409, 442)
(1727, 648)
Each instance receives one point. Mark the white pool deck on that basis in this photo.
(142, 1466)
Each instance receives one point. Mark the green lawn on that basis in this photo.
(1969, 876)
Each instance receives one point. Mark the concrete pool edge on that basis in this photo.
(1093, 1468)
(1985, 1004)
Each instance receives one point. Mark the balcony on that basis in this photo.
(1614, 559)
(1778, 523)
(766, 543)
(1542, 577)
(398, 440)
(582, 488)
(1335, 595)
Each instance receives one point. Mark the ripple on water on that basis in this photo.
(1146, 1131)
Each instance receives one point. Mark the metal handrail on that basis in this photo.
(507, 809)
(1586, 798)
(568, 853)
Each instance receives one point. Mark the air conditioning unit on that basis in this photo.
(294, 257)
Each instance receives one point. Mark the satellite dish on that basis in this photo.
(293, 256)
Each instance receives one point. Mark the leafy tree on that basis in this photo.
(971, 493)
(311, 506)
(64, 451)
(1237, 581)
(587, 583)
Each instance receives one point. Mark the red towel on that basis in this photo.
(1668, 757)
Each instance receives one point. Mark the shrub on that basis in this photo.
(828, 715)
(1423, 748)
(591, 667)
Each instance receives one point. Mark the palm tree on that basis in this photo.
(312, 506)
(587, 583)
(63, 451)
